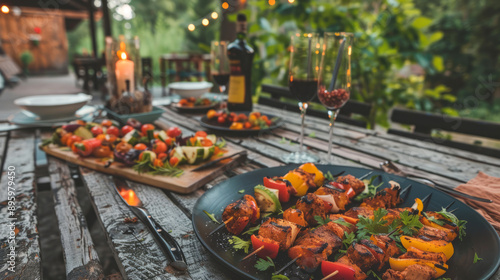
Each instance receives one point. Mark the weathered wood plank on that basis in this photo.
(80, 255)
(137, 255)
(22, 221)
(3, 141)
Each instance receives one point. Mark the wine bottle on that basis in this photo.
(240, 61)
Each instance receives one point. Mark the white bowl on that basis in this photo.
(53, 106)
(190, 89)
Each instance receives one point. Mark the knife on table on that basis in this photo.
(214, 162)
(162, 237)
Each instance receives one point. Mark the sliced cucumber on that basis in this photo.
(178, 153)
(209, 152)
(267, 199)
(83, 132)
(132, 137)
(194, 155)
(162, 135)
(212, 138)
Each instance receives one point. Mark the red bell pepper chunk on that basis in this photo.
(345, 272)
(256, 210)
(348, 190)
(328, 206)
(86, 147)
(271, 247)
(279, 185)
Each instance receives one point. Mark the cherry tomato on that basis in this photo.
(206, 142)
(146, 127)
(140, 147)
(65, 138)
(159, 147)
(158, 163)
(221, 119)
(174, 132)
(113, 130)
(126, 129)
(247, 125)
(174, 161)
(106, 123)
(162, 156)
(123, 147)
(200, 134)
(96, 130)
(102, 151)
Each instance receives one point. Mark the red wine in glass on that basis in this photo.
(303, 90)
(221, 79)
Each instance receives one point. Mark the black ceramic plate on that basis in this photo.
(481, 238)
(224, 128)
(195, 109)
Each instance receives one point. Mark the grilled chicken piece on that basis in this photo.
(295, 216)
(394, 213)
(316, 245)
(357, 185)
(386, 198)
(361, 256)
(241, 211)
(446, 223)
(414, 253)
(284, 232)
(433, 233)
(378, 253)
(339, 195)
(311, 205)
(387, 245)
(354, 212)
(358, 273)
(412, 272)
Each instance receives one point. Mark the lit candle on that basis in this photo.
(124, 70)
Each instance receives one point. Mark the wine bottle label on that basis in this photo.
(236, 91)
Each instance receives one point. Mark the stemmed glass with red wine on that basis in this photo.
(305, 55)
(335, 76)
(219, 64)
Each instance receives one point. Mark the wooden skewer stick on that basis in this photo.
(287, 265)
(330, 275)
(221, 225)
(253, 253)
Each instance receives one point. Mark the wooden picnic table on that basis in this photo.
(135, 252)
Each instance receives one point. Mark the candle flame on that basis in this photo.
(123, 55)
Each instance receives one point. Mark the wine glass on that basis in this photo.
(305, 54)
(219, 64)
(334, 81)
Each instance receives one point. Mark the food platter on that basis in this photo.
(481, 238)
(224, 128)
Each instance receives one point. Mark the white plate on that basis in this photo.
(190, 89)
(53, 106)
(27, 118)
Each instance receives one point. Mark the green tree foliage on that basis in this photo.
(389, 36)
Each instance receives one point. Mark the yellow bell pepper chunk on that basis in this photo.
(435, 246)
(449, 232)
(319, 178)
(401, 264)
(297, 181)
(419, 204)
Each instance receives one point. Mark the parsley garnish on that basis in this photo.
(211, 216)
(455, 220)
(346, 242)
(409, 224)
(342, 222)
(240, 244)
(371, 272)
(263, 264)
(252, 230)
(367, 226)
(370, 189)
(241, 191)
(322, 221)
(329, 176)
(476, 258)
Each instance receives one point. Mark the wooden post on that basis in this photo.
(92, 28)
(105, 19)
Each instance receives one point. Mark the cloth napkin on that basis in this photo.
(487, 186)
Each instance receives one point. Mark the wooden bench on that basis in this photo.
(424, 124)
(9, 70)
(345, 115)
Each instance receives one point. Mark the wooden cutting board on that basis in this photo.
(188, 182)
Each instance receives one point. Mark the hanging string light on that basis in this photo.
(5, 9)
